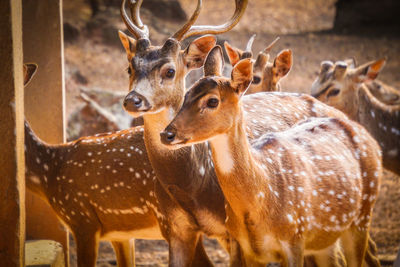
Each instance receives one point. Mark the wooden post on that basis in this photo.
(12, 166)
(44, 102)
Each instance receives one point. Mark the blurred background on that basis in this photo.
(315, 30)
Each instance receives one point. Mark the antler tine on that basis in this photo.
(179, 34)
(250, 43)
(135, 11)
(208, 29)
(138, 29)
(268, 48)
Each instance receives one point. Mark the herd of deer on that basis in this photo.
(275, 177)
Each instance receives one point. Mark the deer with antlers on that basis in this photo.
(103, 111)
(352, 90)
(288, 193)
(266, 75)
(190, 208)
(157, 86)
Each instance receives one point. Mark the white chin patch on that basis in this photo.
(223, 155)
(134, 114)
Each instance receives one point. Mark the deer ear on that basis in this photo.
(29, 71)
(214, 62)
(129, 44)
(369, 71)
(197, 51)
(242, 74)
(283, 63)
(233, 53)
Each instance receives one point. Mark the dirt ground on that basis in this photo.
(95, 59)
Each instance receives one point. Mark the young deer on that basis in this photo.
(266, 75)
(288, 193)
(350, 89)
(101, 187)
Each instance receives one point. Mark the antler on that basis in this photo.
(250, 43)
(137, 28)
(268, 48)
(189, 30)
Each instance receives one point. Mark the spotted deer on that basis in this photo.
(266, 75)
(352, 90)
(190, 207)
(101, 187)
(290, 193)
(186, 185)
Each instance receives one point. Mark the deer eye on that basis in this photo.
(256, 80)
(212, 102)
(333, 92)
(170, 73)
(129, 71)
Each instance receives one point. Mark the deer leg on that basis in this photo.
(371, 254)
(330, 257)
(354, 241)
(86, 247)
(235, 253)
(200, 256)
(125, 252)
(183, 248)
(293, 255)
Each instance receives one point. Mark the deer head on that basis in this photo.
(337, 83)
(266, 75)
(212, 104)
(157, 72)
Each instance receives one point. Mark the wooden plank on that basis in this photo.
(12, 167)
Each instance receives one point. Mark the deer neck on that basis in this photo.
(188, 168)
(40, 160)
(236, 168)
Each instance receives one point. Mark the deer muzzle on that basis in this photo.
(135, 102)
(171, 138)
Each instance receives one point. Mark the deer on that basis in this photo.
(185, 179)
(353, 90)
(101, 187)
(267, 75)
(288, 193)
(103, 111)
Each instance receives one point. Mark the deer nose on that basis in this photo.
(167, 136)
(137, 101)
(134, 102)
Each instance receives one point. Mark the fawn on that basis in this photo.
(101, 187)
(289, 193)
(266, 75)
(353, 90)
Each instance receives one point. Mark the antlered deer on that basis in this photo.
(101, 187)
(266, 75)
(190, 207)
(103, 111)
(289, 193)
(352, 90)
(189, 195)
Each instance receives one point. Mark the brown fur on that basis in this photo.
(274, 203)
(377, 108)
